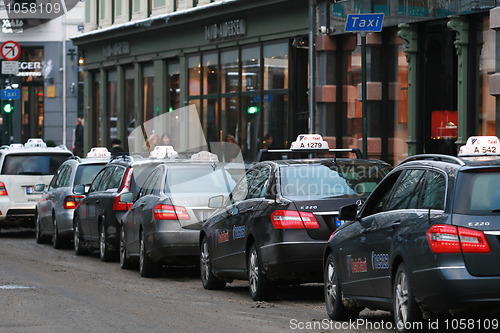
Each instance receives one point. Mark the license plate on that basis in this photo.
(30, 190)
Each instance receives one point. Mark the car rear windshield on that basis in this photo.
(478, 193)
(300, 182)
(32, 164)
(199, 179)
(85, 173)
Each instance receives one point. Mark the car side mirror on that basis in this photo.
(39, 187)
(79, 189)
(216, 202)
(348, 213)
(127, 197)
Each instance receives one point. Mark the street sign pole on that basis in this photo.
(362, 34)
(362, 24)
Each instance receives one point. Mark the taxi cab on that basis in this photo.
(272, 228)
(425, 242)
(55, 209)
(21, 168)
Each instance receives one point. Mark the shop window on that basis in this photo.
(148, 84)
(173, 85)
(276, 66)
(129, 101)
(251, 69)
(486, 117)
(229, 71)
(194, 75)
(111, 110)
(210, 73)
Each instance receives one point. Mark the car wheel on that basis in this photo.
(125, 261)
(261, 289)
(38, 230)
(77, 239)
(57, 242)
(335, 308)
(406, 309)
(208, 279)
(147, 268)
(104, 252)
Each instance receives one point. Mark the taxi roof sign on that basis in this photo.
(163, 152)
(309, 142)
(99, 152)
(480, 146)
(32, 143)
(205, 156)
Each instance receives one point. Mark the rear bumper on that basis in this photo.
(294, 261)
(453, 288)
(177, 246)
(14, 215)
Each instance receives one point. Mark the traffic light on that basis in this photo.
(252, 109)
(8, 107)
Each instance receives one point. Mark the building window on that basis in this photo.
(486, 117)
(148, 84)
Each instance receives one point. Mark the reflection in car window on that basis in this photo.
(257, 188)
(115, 179)
(85, 173)
(435, 191)
(329, 180)
(32, 164)
(202, 179)
(102, 185)
(240, 191)
(380, 196)
(64, 177)
(478, 193)
(407, 193)
(97, 181)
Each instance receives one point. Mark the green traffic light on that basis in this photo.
(252, 109)
(7, 108)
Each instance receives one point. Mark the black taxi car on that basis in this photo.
(273, 226)
(426, 241)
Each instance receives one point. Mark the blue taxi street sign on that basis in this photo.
(364, 22)
(10, 93)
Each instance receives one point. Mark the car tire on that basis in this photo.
(125, 261)
(104, 253)
(208, 279)
(335, 308)
(147, 267)
(57, 242)
(77, 239)
(261, 289)
(39, 238)
(406, 310)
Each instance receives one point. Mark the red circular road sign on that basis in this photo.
(10, 50)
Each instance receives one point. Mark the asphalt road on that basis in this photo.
(48, 290)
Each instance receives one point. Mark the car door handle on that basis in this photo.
(396, 224)
(142, 204)
(96, 202)
(249, 209)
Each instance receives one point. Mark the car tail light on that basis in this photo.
(71, 201)
(3, 190)
(445, 238)
(126, 181)
(118, 205)
(169, 212)
(333, 233)
(291, 219)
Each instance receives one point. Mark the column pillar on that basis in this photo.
(121, 126)
(461, 27)
(160, 87)
(88, 113)
(410, 35)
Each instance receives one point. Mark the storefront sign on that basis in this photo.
(116, 49)
(30, 68)
(225, 30)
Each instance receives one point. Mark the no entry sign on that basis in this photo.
(10, 50)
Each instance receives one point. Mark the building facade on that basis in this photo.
(245, 65)
(48, 77)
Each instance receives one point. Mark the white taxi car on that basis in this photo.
(21, 167)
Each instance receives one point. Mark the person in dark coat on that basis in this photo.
(78, 150)
(116, 147)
